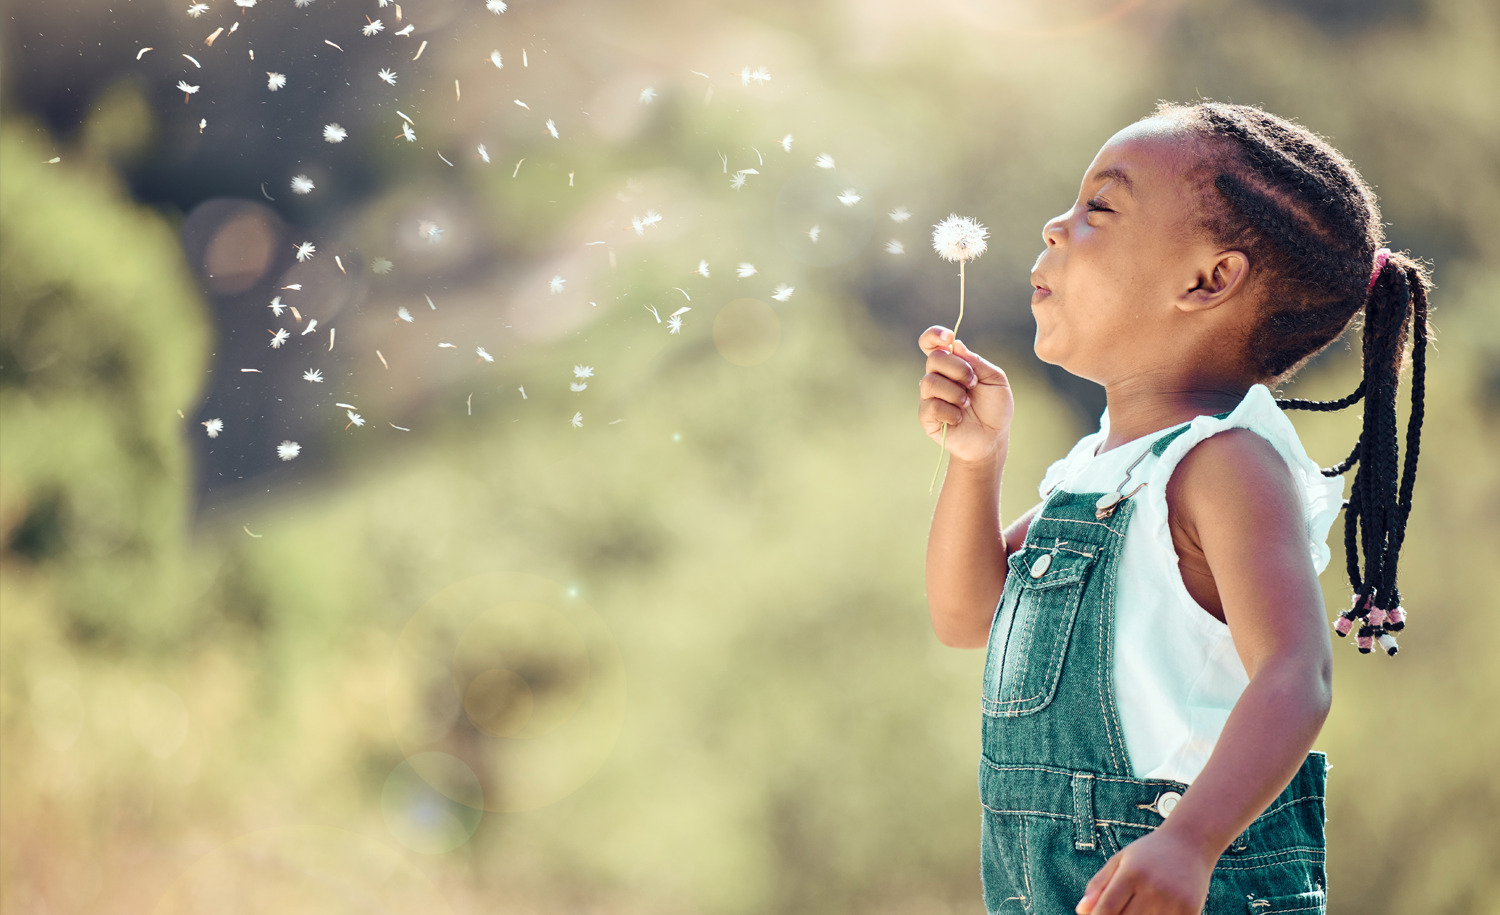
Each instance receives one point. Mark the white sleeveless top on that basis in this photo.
(1176, 672)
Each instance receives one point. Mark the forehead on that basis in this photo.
(1155, 154)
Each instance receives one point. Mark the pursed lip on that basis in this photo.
(1039, 288)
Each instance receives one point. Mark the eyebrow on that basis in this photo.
(1104, 174)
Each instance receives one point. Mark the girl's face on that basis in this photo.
(1121, 262)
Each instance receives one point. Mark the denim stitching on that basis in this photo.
(1107, 666)
(1025, 866)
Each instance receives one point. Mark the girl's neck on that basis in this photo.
(1137, 409)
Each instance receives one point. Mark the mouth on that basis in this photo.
(1040, 290)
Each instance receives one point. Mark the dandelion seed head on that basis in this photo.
(408, 133)
(648, 95)
(404, 314)
(288, 450)
(274, 80)
(583, 371)
(279, 338)
(312, 375)
(555, 285)
(333, 133)
(277, 306)
(703, 269)
(301, 184)
(738, 181)
(355, 419)
(495, 6)
(374, 26)
(959, 238)
(305, 251)
(213, 427)
(813, 233)
(577, 420)
(894, 246)
(783, 292)
(497, 60)
(824, 161)
(484, 354)
(197, 9)
(381, 265)
(182, 86)
(786, 143)
(674, 325)
(849, 197)
(745, 269)
(577, 386)
(388, 75)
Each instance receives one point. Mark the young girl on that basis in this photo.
(1158, 663)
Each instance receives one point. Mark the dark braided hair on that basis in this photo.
(1311, 229)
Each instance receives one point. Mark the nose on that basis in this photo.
(1054, 229)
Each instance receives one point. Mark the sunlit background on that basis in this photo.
(565, 553)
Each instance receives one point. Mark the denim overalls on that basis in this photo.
(1054, 778)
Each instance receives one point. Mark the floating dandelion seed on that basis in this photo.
(556, 285)
(278, 337)
(576, 386)
(738, 181)
(185, 89)
(900, 214)
(583, 371)
(388, 75)
(405, 33)
(484, 154)
(245, 4)
(333, 133)
(760, 75)
(312, 375)
(483, 354)
(745, 269)
(275, 80)
(405, 315)
(213, 427)
(381, 265)
(197, 9)
(354, 419)
(302, 4)
(305, 251)
(495, 6)
(648, 95)
(277, 306)
(301, 184)
(824, 161)
(783, 292)
(375, 26)
(312, 324)
(813, 233)
(849, 197)
(651, 218)
(674, 325)
(408, 133)
(430, 231)
(288, 450)
(702, 269)
(894, 246)
(496, 60)
(577, 420)
(786, 143)
(957, 238)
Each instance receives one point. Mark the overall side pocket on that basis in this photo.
(1032, 627)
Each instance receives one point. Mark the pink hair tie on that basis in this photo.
(1381, 256)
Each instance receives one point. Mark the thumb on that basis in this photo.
(1096, 885)
(985, 371)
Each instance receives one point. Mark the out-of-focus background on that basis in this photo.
(601, 604)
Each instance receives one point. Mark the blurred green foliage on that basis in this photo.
(196, 710)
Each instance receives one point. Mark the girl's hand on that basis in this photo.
(966, 391)
(1157, 874)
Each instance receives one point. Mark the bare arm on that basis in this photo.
(1234, 496)
(967, 545)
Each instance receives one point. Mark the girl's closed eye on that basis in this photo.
(1098, 206)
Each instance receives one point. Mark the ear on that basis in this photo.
(1217, 280)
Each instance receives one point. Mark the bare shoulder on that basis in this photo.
(1231, 477)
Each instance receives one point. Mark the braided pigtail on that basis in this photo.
(1380, 499)
(1310, 226)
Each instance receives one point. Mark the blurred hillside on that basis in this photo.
(658, 644)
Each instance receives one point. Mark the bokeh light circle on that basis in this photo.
(432, 802)
(513, 677)
(747, 331)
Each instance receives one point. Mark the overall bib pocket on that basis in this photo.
(1030, 632)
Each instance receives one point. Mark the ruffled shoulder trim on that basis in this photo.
(1322, 497)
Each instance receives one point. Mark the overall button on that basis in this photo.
(1040, 566)
(1167, 802)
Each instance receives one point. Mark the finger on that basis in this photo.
(935, 385)
(986, 372)
(935, 337)
(942, 362)
(934, 412)
(1096, 885)
(1115, 896)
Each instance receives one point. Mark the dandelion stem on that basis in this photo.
(943, 443)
